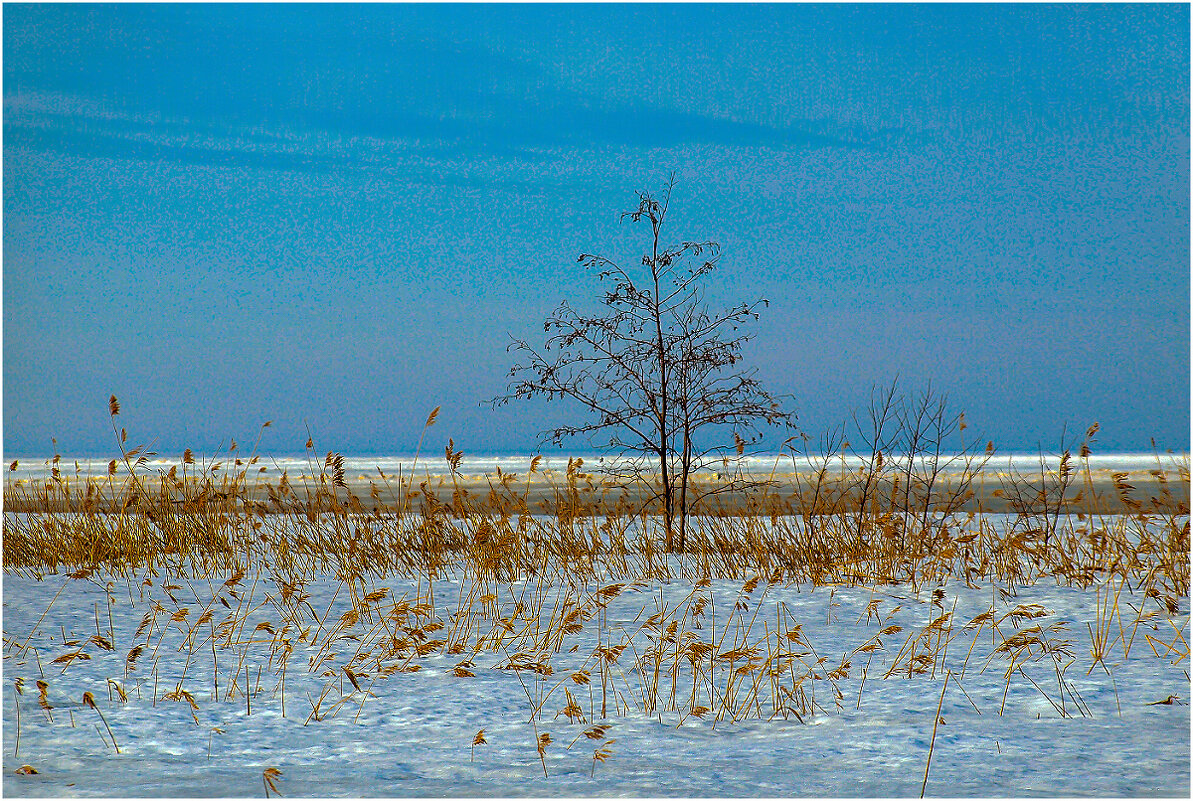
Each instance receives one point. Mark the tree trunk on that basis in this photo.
(685, 471)
(661, 350)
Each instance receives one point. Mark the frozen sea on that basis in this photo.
(432, 462)
(1060, 725)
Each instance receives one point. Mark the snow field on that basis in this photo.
(840, 709)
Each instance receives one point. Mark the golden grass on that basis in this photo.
(536, 577)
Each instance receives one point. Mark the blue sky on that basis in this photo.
(333, 217)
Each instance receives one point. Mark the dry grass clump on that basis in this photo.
(899, 510)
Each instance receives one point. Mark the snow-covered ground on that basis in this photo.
(811, 726)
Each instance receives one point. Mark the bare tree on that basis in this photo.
(656, 369)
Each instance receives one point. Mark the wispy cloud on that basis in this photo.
(370, 138)
(297, 91)
(80, 127)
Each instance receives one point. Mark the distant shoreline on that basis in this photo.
(547, 491)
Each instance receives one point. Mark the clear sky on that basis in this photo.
(334, 216)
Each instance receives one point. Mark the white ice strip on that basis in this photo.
(480, 465)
